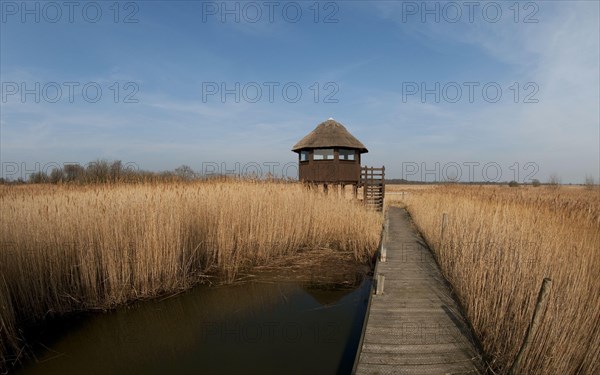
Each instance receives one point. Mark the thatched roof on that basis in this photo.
(329, 134)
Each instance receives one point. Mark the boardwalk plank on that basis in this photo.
(415, 326)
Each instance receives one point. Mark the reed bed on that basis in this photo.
(498, 245)
(74, 248)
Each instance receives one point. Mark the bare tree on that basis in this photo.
(185, 172)
(554, 181)
(98, 171)
(74, 172)
(38, 178)
(57, 175)
(589, 182)
(116, 170)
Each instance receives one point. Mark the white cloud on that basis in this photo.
(560, 54)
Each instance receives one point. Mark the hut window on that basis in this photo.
(303, 155)
(346, 154)
(323, 154)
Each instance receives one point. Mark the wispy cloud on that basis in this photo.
(171, 54)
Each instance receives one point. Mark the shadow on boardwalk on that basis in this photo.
(414, 327)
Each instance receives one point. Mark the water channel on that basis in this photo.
(254, 327)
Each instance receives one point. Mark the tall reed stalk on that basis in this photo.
(498, 246)
(72, 248)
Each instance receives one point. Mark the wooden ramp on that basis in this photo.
(414, 327)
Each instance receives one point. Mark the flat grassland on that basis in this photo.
(70, 248)
(497, 247)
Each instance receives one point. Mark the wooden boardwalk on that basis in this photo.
(414, 326)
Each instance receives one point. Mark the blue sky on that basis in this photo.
(390, 71)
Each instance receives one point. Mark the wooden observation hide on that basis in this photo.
(330, 156)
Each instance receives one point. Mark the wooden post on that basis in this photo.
(538, 314)
(387, 227)
(444, 224)
(380, 280)
(384, 237)
(382, 188)
(364, 185)
(384, 243)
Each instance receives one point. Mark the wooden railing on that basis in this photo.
(372, 180)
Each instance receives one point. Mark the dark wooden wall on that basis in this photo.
(331, 171)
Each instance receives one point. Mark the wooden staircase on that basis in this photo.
(372, 180)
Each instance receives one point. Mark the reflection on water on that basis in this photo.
(256, 327)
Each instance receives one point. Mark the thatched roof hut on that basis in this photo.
(329, 134)
(329, 154)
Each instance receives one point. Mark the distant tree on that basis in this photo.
(166, 175)
(513, 183)
(116, 170)
(38, 178)
(535, 182)
(185, 172)
(98, 171)
(589, 182)
(57, 175)
(74, 172)
(554, 180)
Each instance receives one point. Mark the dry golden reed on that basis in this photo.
(71, 248)
(498, 246)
